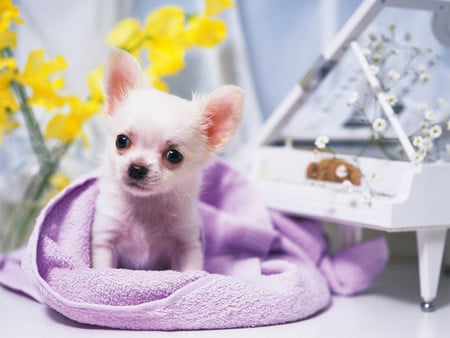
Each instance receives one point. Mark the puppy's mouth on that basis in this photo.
(140, 187)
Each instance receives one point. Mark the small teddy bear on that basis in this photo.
(334, 170)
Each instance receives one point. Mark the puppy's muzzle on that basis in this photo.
(137, 172)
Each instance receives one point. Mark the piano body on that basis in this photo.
(404, 196)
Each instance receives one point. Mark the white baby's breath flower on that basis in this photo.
(377, 57)
(428, 143)
(395, 51)
(394, 75)
(419, 142)
(424, 77)
(391, 99)
(430, 115)
(352, 98)
(373, 176)
(435, 131)
(420, 155)
(379, 125)
(321, 142)
(425, 142)
(374, 70)
(443, 104)
(347, 186)
(448, 125)
(341, 171)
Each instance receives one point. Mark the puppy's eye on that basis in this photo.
(122, 141)
(173, 156)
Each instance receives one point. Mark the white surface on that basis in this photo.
(389, 309)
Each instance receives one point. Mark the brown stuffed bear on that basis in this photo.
(326, 170)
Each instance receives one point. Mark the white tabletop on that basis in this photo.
(389, 309)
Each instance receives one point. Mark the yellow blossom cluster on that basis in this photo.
(8, 104)
(44, 85)
(41, 82)
(166, 35)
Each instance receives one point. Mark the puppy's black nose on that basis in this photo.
(137, 172)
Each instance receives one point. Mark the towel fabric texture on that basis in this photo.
(261, 267)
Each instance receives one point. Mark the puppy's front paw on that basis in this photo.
(189, 260)
(102, 257)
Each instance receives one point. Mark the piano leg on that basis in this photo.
(430, 250)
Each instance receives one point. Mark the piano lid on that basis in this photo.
(380, 82)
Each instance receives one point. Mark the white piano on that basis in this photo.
(405, 196)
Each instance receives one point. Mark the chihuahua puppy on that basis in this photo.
(146, 212)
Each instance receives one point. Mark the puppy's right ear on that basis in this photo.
(122, 73)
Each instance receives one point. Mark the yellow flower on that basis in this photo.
(167, 23)
(8, 39)
(167, 34)
(7, 122)
(39, 75)
(8, 13)
(166, 58)
(8, 102)
(159, 84)
(68, 127)
(63, 127)
(95, 81)
(168, 43)
(205, 31)
(7, 63)
(126, 35)
(59, 181)
(214, 7)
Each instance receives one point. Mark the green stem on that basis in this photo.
(25, 220)
(20, 222)
(36, 138)
(385, 152)
(366, 146)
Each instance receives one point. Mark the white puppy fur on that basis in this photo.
(158, 144)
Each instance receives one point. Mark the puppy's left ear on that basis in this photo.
(222, 112)
(122, 73)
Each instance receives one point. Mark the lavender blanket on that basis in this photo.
(261, 267)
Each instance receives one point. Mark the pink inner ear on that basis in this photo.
(122, 73)
(115, 91)
(222, 114)
(221, 123)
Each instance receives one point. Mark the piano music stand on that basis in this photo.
(403, 214)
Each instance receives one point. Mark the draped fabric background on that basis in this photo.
(270, 45)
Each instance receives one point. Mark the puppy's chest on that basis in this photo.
(147, 239)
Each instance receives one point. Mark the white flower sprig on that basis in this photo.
(321, 142)
(399, 62)
(379, 125)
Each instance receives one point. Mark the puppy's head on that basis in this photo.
(160, 142)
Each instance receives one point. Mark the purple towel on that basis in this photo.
(261, 267)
